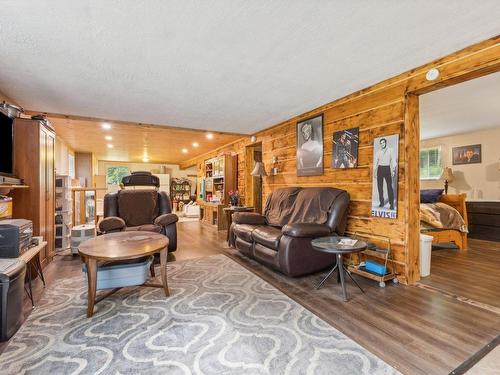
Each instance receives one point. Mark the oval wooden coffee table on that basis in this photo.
(118, 246)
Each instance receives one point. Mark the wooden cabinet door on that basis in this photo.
(42, 209)
(50, 193)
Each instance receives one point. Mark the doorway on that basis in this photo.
(253, 184)
(460, 189)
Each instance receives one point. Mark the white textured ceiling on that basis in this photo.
(227, 65)
(466, 107)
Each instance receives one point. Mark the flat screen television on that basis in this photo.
(6, 145)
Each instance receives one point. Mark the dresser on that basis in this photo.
(484, 220)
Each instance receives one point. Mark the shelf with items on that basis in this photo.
(383, 254)
(219, 177)
(63, 212)
(180, 192)
(6, 188)
(209, 168)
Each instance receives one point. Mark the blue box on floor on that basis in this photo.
(122, 274)
(375, 267)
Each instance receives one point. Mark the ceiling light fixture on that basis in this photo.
(185, 150)
(110, 145)
(195, 144)
(432, 74)
(106, 125)
(108, 138)
(210, 136)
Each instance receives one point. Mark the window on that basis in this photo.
(114, 175)
(430, 163)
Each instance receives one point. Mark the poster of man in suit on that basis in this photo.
(385, 176)
(466, 154)
(345, 148)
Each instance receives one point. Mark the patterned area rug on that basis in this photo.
(219, 319)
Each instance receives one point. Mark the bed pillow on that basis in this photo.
(430, 195)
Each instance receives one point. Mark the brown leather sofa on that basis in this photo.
(281, 237)
(143, 210)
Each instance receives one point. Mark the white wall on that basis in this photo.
(62, 151)
(479, 181)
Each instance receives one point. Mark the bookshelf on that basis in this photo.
(220, 176)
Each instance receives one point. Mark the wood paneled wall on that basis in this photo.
(386, 108)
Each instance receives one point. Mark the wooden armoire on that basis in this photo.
(34, 162)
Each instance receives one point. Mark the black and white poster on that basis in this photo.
(345, 148)
(310, 147)
(385, 176)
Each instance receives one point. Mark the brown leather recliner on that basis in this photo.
(281, 238)
(143, 210)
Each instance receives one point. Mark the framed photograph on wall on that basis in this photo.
(385, 176)
(466, 154)
(345, 148)
(310, 147)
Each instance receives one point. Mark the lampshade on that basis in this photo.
(259, 169)
(447, 174)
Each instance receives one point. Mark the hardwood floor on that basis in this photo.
(473, 274)
(415, 330)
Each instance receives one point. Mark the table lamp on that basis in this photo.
(259, 170)
(447, 176)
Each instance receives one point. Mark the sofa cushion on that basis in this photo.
(267, 236)
(307, 230)
(146, 228)
(248, 218)
(312, 205)
(244, 231)
(111, 223)
(137, 207)
(279, 206)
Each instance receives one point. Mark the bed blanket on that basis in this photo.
(441, 216)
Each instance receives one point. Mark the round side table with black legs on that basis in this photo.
(334, 245)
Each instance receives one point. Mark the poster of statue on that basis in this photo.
(385, 176)
(345, 148)
(310, 147)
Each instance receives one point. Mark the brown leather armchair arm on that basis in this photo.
(249, 218)
(309, 230)
(111, 224)
(166, 219)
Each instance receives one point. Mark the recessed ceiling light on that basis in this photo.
(108, 138)
(195, 144)
(210, 136)
(185, 150)
(110, 145)
(106, 125)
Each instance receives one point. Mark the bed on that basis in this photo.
(445, 220)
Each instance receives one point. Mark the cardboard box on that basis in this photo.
(5, 207)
